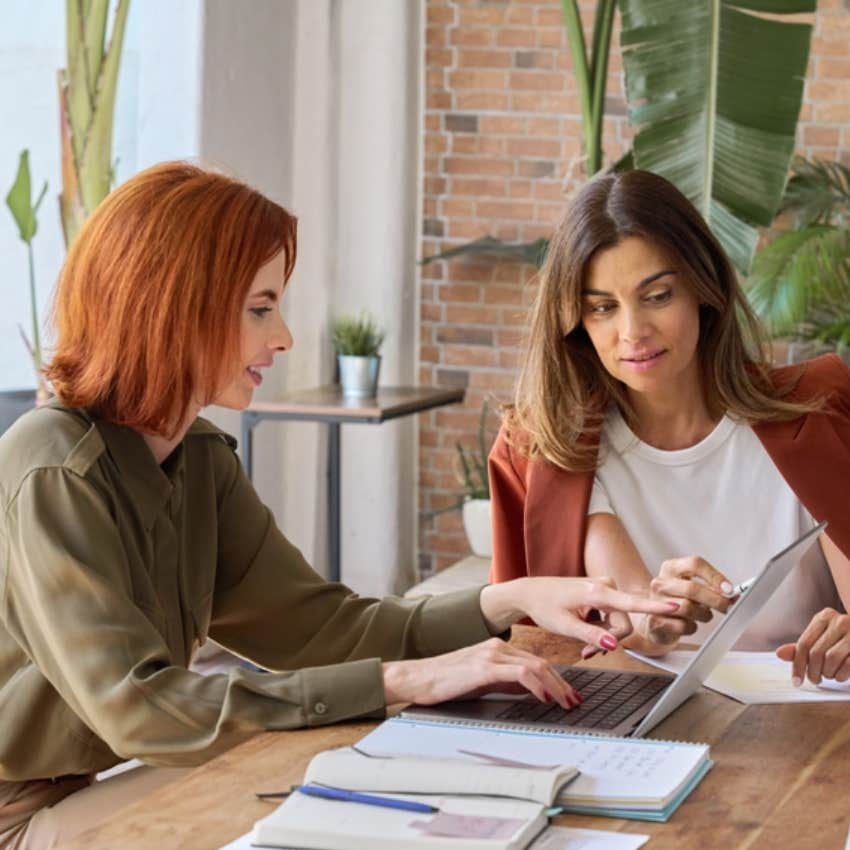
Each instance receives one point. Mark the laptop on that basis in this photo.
(625, 703)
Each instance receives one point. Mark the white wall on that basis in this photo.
(156, 118)
(317, 104)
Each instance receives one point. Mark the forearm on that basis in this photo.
(503, 604)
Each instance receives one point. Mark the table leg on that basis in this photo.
(333, 501)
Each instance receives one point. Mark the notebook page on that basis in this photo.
(461, 822)
(610, 769)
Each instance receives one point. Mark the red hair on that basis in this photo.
(148, 304)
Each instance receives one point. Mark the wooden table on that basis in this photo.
(781, 778)
(327, 404)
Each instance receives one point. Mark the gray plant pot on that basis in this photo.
(13, 404)
(358, 375)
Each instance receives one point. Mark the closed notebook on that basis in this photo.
(480, 806)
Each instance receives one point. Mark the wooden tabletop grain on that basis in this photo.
(781, 778)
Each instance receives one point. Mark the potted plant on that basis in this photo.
(357, 341)
(475, 501)
(800, 282)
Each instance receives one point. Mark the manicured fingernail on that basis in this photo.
(727, 588)
(673, 606)
(796, 681)
(547, 696)
(608, 642)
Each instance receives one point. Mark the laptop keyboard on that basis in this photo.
(609, 698)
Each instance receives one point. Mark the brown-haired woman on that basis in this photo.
(130, 533)
(648, 425)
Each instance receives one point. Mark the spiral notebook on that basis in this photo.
(639, 778)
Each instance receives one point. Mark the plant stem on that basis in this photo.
(575, 36)
(36, 341)
(602, 26)
(590, 78)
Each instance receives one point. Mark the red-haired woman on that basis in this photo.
(130, 534)
(648, 426)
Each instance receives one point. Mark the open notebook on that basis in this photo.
(478, 806)
(626, 703)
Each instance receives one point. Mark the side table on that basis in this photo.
(326, 404)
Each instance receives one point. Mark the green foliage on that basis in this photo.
(715, 89)
(533, 253)
(87, 91)
(357, 336)
(800, 282)
(19, 200)
(818, 192)
(473, 463)
(472, 466)
(25, 213)
(591, 73)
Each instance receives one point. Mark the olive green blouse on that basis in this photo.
(113, 569)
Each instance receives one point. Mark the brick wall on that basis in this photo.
(502, 141)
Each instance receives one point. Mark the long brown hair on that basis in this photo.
(564, 391)
(147, 309)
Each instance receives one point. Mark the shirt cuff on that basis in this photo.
(346, 691)
(452, 620)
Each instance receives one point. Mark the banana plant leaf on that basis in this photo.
(19, 200)
(533, 253)
(715, 91)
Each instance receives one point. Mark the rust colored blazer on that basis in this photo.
(539, 512)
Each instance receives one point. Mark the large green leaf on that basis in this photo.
(19, 199)
(715, 91)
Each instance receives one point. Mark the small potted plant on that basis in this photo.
(357, 341)
(475, 502)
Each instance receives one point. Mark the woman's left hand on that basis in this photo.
(561, 605)
(823, 650)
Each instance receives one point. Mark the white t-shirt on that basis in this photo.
(724, 500)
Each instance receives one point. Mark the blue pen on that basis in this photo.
(328, 793)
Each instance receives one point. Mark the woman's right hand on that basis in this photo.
(492, 665)
(698, 587)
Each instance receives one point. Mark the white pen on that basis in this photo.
(738, 589)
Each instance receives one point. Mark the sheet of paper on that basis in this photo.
(568, 838)
(243, 843)
(754, 678)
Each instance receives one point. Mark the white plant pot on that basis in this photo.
(476, 523)
(358, 375)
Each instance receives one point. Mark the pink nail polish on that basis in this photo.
(608, 642)
(673, 606)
